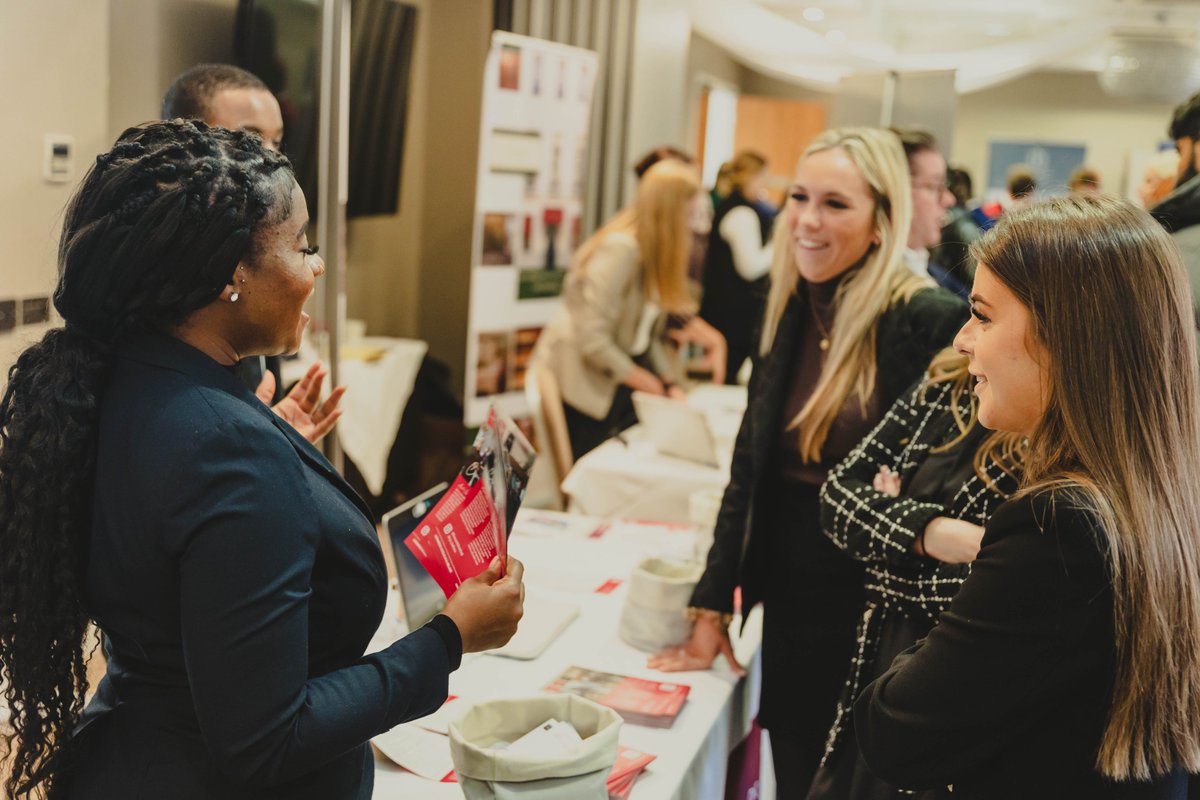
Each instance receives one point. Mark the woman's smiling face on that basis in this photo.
(830, 216)
(1010, 368)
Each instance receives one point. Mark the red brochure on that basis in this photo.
(469, 526)
(654, 704)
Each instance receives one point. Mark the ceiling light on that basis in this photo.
(835, 36)
(814, 14)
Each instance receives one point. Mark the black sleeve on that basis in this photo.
(715, 587)
(1031, 608)
(451, 637)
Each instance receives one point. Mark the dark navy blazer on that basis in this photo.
(237, 580)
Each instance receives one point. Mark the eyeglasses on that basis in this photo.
(932, 186)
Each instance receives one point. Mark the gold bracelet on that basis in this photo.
(721, 620)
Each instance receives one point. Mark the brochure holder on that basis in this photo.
(486, 773)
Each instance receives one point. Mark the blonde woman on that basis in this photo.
(607, 339)
(847, 328)
(738, 260)
(1069, 663)
(909, 502)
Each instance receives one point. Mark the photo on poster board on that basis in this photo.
(516, 151)
(539, 284)
(510, 67)
(497, 249)
(491, 363)
(523, 341)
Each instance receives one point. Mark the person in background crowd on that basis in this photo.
(606, 340)
(1068, 665)
(722, 187)
(658, 154)
(738, 260)
(931, 198)
(1179, 212)
(235, 577)
(847, 328)
(1022, 187)
(1159, 178)
(701, 223)
(959, 231)
(909, 502)
(225, 96)
(1084, 179)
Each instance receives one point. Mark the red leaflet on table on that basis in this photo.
(655, 704)
(469, 525)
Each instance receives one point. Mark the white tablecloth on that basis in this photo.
(631, 479)
(376, 395)
(564, 563)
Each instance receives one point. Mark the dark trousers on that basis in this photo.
(812, 600)
(587, 433)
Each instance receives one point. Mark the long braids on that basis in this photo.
(154, 232)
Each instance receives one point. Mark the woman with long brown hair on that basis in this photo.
(1069, 664)
(608, 338)
(846, 330)
(909, 503)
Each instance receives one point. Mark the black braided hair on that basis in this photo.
(154, 232)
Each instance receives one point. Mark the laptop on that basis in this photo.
(420, 595)
(676, 428)
(422, 598)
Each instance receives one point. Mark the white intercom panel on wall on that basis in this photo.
(58, 158)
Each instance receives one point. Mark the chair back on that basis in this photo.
(549, 421)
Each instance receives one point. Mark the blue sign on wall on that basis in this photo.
(1052, 164)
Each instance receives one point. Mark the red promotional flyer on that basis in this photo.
(640, 702)
(469, 526)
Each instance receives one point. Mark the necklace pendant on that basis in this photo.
(824, 344)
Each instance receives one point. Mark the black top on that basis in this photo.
(730, 302)
(237, 580)
(1007, 696)
(907, 336)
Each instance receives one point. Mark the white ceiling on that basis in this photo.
(817, 42)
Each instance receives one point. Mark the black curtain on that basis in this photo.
(381, 48)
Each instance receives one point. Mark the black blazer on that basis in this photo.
(1007, 696)
(907, 337)
(237, 579)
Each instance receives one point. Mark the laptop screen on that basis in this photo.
(419, 592)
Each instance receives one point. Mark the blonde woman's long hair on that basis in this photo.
(1109, 301)
(864, 296)
(1003, 448)
(658, 220)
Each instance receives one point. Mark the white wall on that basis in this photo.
(1057, 107)
(59, 48)
(152, 41)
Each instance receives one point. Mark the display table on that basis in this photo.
(630, 478)
(567, 558)
(379, 373)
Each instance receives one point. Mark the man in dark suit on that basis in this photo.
(226, 96)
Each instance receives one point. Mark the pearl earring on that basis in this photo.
(233, 297)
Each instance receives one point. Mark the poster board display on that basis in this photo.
(537, 105)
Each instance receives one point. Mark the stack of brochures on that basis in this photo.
(630, 764)
(469, 526)
(639, 702)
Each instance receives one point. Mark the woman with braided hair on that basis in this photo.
(235, 577)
